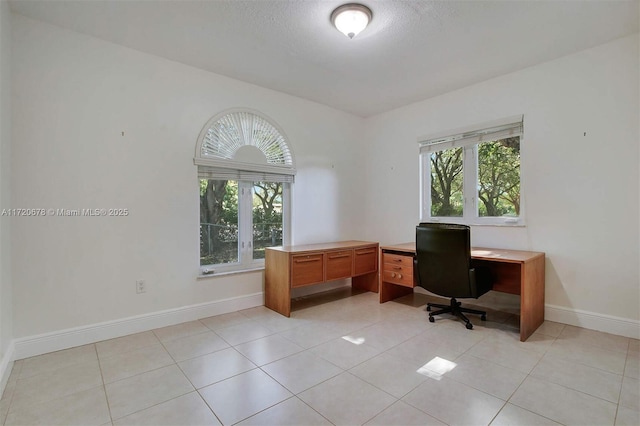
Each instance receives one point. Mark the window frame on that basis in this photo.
(246, 262)
(217, 159)
(468, 139)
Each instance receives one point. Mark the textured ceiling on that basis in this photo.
(412, 50)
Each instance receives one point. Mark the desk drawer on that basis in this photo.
(397, 259)
(307, 269)
(366, 260)
(398, 274)
(339, 264)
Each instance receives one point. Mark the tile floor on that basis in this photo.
(340, 359)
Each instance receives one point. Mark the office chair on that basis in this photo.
(443, 265)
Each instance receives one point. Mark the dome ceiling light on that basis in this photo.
(351, 18)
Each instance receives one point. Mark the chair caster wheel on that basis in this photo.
(431, 319)
(483, 318)
(428, 308)
(469, 326)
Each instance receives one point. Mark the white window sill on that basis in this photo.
(228, 273)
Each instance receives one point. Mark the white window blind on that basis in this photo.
(507, 128)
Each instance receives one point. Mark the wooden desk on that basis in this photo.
(516, 272)
(288, 267)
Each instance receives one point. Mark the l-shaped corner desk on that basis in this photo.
(516, 272)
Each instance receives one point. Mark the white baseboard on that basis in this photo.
(63, 339)
(593, 321)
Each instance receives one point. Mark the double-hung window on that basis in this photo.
(245, 173)
(472, 175)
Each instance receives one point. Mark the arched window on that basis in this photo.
(245, 169)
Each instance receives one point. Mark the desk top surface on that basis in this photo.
(480, 253)
(323, 246)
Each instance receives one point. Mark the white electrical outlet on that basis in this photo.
(141, 286)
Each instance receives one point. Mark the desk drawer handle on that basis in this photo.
(339, 256)
(397, 260)
(399, 268)
(365, 252)
(307, 260)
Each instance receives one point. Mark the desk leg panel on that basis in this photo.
(277, 282)
(368, 282)
(390, 291)
(532, 297)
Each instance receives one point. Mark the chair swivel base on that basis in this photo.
(456, 309)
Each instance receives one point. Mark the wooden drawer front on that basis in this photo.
(397, 259)
(366, 260)
(307, 269)
(398, 274)
(339, 264)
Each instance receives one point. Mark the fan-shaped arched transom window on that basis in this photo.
(245, 169)
(244, 139)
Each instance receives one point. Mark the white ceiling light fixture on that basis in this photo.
(351, 18)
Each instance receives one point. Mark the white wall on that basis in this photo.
(73, 97)
(580, 193)
(6, 325)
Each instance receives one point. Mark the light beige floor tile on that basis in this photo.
(56, 384)
(602, 340)
(394, 376)
(310, 335)
(184, 410)
(630, 393)
(268, 349)
(126, 343)
(180, 330)
(224, 320)
(384, 335)
(301, 371)
(127, 364)
(16, 368)
(245, 332)
(195, 345)
(291, 412)
(550, 328)
(632, 365)
(145, 390)
(562, 404)
(272, 320)
(454, 335)
(8, 390)
(402, 413)
(347, 324)
(422, 350)
(537, 342)
(486, 376)
(244, 395)
(345, 354)
(634, 345)
(281, 323)
(514, 415)
(589, 380)
(453, 402)
(593, 356)
(627, 417)
(259, 313)
(347, 400)
(87, 407)
(55, 360)
(506, 354)
(211, 368)
(4, 409)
